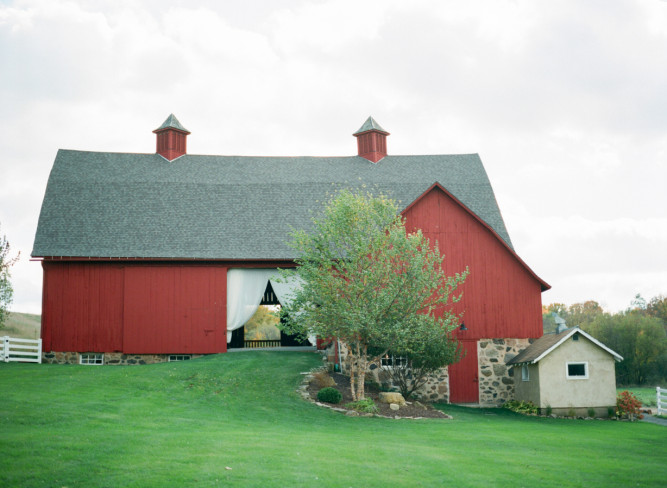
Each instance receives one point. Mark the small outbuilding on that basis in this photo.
(570, 372)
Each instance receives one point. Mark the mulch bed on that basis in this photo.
(412, 409)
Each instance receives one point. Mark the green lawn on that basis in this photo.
(182, 424)
(647, 396)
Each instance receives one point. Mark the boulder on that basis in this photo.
(392, 397)
(394, 406)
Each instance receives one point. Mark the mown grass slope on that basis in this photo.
(183, 424)
(22, 325)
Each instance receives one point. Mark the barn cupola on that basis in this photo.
(371, 141)
(171, 137)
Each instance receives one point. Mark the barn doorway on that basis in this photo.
(262, 329)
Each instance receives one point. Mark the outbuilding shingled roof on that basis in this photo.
(100, 204)
(548, 342)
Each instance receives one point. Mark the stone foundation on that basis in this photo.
(436, 388)
(110, 358)
(496, 380)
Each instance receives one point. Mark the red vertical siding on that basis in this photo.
(134, 308)
(82, 307)
(171, 144)
(372, 145)
(464, 376)
(175, 309)
(501, 297)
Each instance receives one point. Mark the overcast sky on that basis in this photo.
(565, 102)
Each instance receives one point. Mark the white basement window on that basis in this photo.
(179, 357)
(525, 374)
(91, 358)
(577, 371)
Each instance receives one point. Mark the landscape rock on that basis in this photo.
(394, 406)
(391, 397)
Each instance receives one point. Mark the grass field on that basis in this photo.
(183, 424)
(645, 395)
(22, 325)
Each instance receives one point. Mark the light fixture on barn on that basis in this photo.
(463, 327)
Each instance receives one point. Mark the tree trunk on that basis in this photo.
(361, 375)
(353, 369)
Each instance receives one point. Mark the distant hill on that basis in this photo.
(22, 325)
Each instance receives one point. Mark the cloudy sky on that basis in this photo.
(566, 103)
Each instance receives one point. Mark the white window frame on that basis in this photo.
(389, 360)
(525, 373)
(576, 377)
(91, 358)
(179, 357)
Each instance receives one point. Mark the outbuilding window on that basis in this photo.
(577, 371)
(525, 374)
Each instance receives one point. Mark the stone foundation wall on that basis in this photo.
(436, 388)
(496, 380)
(110, 358)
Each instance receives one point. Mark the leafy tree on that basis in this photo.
(426, 354)
(6, 290)
(640, 339)
(262, 325)
(657, 307)
(559, 308)
(369, 283)
(582, 314)
(638, 303)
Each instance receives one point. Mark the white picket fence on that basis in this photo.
(661, 393)
(23, 350)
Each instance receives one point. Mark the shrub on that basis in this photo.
(628, 405)
(367, 405)
(591, 412)
(521, 407)
(323, 380)
(329, 395)
(549, 410)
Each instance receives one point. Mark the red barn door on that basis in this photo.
(463, 376)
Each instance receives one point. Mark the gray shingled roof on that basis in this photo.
(545, 344)
(225, 207)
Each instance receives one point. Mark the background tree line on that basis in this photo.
(639, 334)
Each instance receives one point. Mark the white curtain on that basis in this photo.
(245, 289)
(284, 292)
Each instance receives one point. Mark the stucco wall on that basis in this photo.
(527, 391)
(557, 391)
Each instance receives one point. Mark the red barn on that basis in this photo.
(147, 256)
